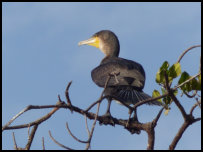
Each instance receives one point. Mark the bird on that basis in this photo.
(127, 77)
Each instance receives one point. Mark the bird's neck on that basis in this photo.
(107, 59)
(110, 53)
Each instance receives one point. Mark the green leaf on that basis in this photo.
(199, 81)
(165, 65)
(199, 78)
(158, 77)
(194, 84)
(156, 94)
(184, 76)
(160, 74)
(167, 100)
(174, 71)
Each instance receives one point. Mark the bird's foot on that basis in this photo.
(133, 119)
(107, 119)
(129, 127)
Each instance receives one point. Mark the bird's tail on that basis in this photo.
(130, 95)
(141, 96)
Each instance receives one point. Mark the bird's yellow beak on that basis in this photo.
(94, 41)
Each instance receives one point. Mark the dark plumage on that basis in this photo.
(128, 77)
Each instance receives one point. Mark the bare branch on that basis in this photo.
(149, 100)
(151, 137)
(31, 137)
(190, 48)
(151, 132)
(16, 116)
(132, 126)
(157, 117)
(93, 126)
(61, 145)
(67, 95)
(101, 96)
(89, 133)
(86, 125)
(14, 141)
(178, 136)
(188, 119)
(198, 102)
(194, 106)
(73, 135)
(37, 122)
(43, 146)
(191, 96)
(171, 94)
(98, 101)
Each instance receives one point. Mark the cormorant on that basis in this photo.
(128, 78)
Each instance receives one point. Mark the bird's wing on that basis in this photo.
(122, 71)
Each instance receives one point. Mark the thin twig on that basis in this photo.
(188, 80)
(194, 106)
(42, 119)
(191, 96)
(90, 133)
(31, 137)
(94, 103)
(190, 48)
(149, 100)
(14, 141)
(73, 135)
(93, 127)
(198, 102)
(61, 145)
(171, 94)
(28, 131)
(158, 116)
(67, 95)
(102, 97)
(16, 116)
(86, 125)
(43, 146)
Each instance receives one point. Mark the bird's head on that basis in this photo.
(104, 40)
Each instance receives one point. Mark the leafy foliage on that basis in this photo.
(194, 84)
(173, 72)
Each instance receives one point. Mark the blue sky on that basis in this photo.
(40, 56)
